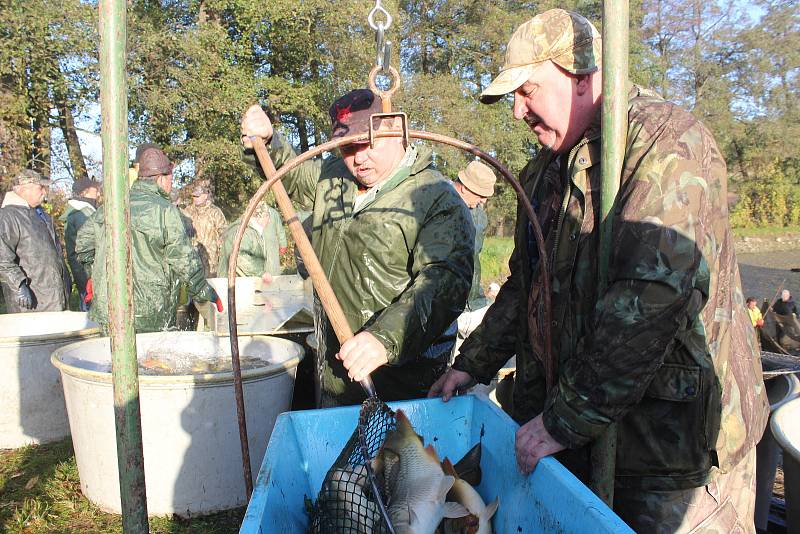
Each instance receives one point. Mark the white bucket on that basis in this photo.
(192, 458)
(31, 395)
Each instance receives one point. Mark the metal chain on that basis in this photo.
(384, 48)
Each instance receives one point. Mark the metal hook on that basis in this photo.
(379, 9)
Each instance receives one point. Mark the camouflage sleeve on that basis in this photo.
(490, 345)
(301, 182)
(180, 254)
(658, 283)
(441, 275)
(85, 242)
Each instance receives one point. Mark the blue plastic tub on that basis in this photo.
(305, 444)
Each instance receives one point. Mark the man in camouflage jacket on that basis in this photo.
(666, 351)
(395, 241)
(208, 222)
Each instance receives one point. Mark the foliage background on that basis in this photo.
(194, 65)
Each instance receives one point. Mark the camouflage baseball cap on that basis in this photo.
(200, 187)
(29, 176)
(567, 39)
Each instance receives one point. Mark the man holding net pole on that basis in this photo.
(394, 240)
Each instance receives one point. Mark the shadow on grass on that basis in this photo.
(40, 493)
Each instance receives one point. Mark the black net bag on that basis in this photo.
(352, 499)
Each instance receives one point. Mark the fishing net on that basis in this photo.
(352, 499)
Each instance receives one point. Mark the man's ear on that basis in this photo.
(584, 83)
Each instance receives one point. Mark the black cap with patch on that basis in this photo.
(350, 114)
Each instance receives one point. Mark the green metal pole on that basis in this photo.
(614, 135)
(125, 373)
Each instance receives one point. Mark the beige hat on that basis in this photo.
(567, 39)
(478, 178)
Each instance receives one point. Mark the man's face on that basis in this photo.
(33, 194)
(200, 200)
(90, 192)
(370, 166)
(785, 295)
(546, 102)
(472, 200)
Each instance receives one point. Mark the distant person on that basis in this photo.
(208, 222)
(475, 185)
(263, 243)
(32, 270)
(755, 314)
(85, 195)
(161, 253)
(786, 304)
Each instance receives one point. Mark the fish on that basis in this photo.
(415, 484)
(480, 515)
(469, 467)
(346, 505)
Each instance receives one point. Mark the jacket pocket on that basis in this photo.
(665, 435)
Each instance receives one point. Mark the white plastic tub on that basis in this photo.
(190, 434)
(31, 395)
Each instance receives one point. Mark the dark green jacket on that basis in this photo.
(667, 350)
(75, 216)
(259, 252)
(476, 298)
(161, 254)
(400, 266)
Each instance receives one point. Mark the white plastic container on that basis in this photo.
(190, 434)
(31, 395)
(785, 425)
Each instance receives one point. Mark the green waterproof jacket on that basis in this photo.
(476, 298)
(259, 251)
(400, 265)
(77, 213)
(667, 351)
(161, 254)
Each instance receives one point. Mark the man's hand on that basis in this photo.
(534, 442)
(255, 123)
(266, 278)
(361, 355)
(209, 295)
(24, 296)
(449, 382)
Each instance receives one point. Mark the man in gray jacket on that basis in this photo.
(32, 270)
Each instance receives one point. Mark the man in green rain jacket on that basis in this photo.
(666, 350)
(80, 207)
(395, 241)
(161, 253)
(263, 242)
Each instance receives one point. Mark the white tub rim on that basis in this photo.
(36, 339)
(205, 378)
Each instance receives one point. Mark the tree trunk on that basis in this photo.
(302, 129)
(67, 124)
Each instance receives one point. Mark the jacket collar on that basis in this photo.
(149, 186)
(78, 204)
(13, 199)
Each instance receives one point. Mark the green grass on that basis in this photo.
(40, 494)
(766, 231)
(494, 259)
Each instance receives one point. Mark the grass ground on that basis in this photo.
(767, 231)
(494, 260)
(40, 494)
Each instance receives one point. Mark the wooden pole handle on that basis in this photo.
(323, 288)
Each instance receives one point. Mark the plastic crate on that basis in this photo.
(305, 444)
